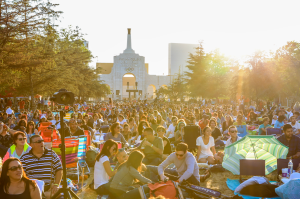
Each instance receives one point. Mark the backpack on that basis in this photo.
(166, 189)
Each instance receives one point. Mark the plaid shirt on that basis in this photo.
(6, 140)
(293, 144)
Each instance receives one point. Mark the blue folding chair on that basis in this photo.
(242, 130)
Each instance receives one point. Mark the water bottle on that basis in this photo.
(290, 168)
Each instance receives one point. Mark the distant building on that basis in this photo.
(128, 76)
(178, 56)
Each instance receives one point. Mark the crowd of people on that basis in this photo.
(153, 137)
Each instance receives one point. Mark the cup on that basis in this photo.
(284, 172)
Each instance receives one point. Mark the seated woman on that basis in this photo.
(167, 146)
(139, 136)
(216, 133)
(206, 151)
(115, 134)
(15, 184)
(263, 127)
(279, 123)
(102, 169)
(239, 121)
(31, 130)
(19, 147)
(228, 122)
(128, 172)
(179, 133)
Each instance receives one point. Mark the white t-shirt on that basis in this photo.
(295, 127)
(172, 129)
(100, 175)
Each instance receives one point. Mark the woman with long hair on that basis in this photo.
(31, 130)
(128, 173)
(206, 147)
(22, 125)
(102, 169)
(160, 121)
(14, 184)
(115, 134)
(139, 136)
(19, 147)
(228, 122)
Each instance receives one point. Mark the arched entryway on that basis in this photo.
(151, 92)
(129, 84)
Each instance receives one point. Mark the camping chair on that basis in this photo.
(252, 167)
(72, 145)
(87, 134)
(242, 130)
(274, 131)
(44, 125)
(82, 149)
(191, 133)
(283, 163)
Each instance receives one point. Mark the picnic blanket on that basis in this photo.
(233, 184)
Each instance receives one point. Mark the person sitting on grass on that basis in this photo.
(152, 147)
(239, 121)
(291, 141)
(167, 146)
(102, 167)
(264, 126)
(280, 122)
(186, 167)
(206, 151)
(122, 184)
(232, 131)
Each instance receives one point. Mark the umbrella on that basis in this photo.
(260, 147)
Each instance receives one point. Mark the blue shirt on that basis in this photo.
(293, 144)
(261, 127)
(278, 124)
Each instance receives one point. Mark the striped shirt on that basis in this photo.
(40, 168)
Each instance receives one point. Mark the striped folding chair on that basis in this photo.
(82, 155)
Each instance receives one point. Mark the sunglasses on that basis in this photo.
(21, 139)
(179, 155)
(233, 131)
(14, 168)
(39, 141)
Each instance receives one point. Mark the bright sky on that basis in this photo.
(238, 28)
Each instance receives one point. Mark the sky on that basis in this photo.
(236, 28)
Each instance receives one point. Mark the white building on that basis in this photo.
(178, 57)
(128, 76)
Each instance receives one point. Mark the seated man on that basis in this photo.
(73, 129)
(232, 131)
(291, 141)
(42, 164)
(186, 167)
(152, 147)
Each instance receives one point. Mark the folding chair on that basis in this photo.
(191, 133)
(274, 131)
(252, 167)
(87, 134)
(82, 148)
(72, 146)
(283, 163)
(44, 126)
(242, 130)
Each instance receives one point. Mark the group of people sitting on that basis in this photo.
(155, 132)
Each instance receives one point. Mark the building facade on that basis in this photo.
(128, 76)
(178, 57)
